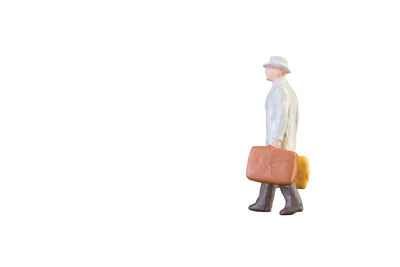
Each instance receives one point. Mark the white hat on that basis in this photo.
(279, 62)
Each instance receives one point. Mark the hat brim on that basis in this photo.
(278, 66)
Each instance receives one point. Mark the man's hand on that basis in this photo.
(277, 143)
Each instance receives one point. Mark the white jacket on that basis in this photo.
(282, 114)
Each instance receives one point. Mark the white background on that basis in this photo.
(125, 128)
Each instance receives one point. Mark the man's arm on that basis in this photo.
(277, 143)
(279, 116)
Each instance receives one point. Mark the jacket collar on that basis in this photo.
(280, 81)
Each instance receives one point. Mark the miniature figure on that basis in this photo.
(282, 118)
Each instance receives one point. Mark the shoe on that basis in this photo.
(292, 198)
(265, 198)
(257, 207)
(290, 211)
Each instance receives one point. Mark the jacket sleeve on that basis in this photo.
(279, 114)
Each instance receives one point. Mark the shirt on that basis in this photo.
(282, 114)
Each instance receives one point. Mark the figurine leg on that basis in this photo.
(265, 198)
(293, 200)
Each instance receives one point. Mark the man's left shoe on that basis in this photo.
(291, 210)
(293, 200)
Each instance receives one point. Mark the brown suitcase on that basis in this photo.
(269, 164)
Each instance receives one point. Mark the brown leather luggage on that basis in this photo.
(269, 164)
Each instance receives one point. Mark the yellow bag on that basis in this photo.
(303, 172)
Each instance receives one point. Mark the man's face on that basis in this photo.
(273, 73)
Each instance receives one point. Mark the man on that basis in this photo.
(282, 117)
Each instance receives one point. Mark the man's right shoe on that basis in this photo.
(265, 198)
(257, 207)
